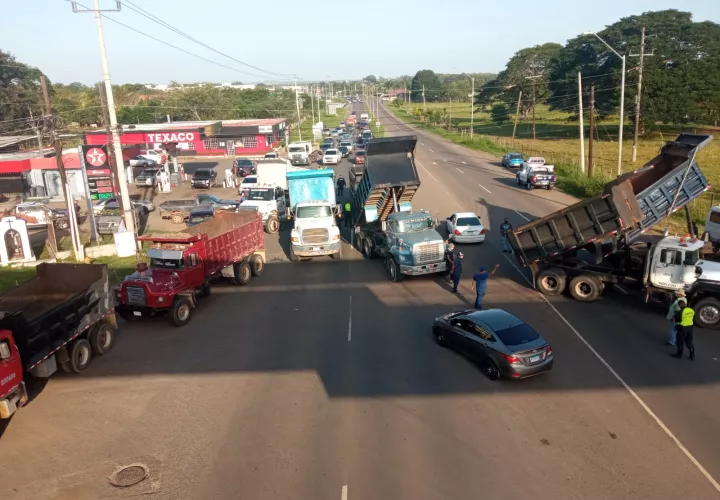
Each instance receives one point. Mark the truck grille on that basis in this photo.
(136, 295)
(315, 236)
(425, 253)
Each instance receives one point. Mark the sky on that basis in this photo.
(344, 40)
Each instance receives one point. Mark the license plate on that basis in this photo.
(470, 233)
(534, 359)
(314, 249)
(137, 313)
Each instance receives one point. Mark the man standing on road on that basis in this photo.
(457, 270)
(674, 308)
(340, 185)
(449, 260)
(505, 228)
(479, 284)
(684, 324)
(346, 214)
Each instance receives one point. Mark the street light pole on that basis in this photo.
(622, 101)
(472, 105)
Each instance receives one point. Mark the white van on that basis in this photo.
(712, 224)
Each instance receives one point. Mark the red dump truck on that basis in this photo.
(62, 317)
(230, 245)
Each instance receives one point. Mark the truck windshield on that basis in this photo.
(297, 150)
(166, 263)
(313, 212)
(407, 226)
(260, 194)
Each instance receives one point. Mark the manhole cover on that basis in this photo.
(129, 475)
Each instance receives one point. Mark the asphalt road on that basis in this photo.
(320, 380)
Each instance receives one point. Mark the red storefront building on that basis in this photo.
(207, 138)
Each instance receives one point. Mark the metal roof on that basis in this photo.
(10, 140)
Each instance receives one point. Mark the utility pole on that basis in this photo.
(532, 78)
(517, 115)
(639, 91)
(297, 105)
(112, 161)
(472, 108)
(36, 128)
(116, 146)
(312, 106)
(424, 105)
(592, 130)
(57, 145)
(582, 127)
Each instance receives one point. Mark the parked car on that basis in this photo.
(159, 156)
(244, 167)
(37, 214)
(331, 157)
(111, 218)
(465, 227)
(502, 344)
(145, 206)
(148, 177)
(143, 161)
(216, 202)
(512, 160)
(535, 173)
(271, 156)
(204, 178)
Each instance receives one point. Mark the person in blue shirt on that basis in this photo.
(480, 284)
(457, 271)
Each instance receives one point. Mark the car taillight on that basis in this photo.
(457, 232)
(533, 178)
(513, 360)
(548, 351)
(482, 231)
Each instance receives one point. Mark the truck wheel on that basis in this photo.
(61, 224)
(393, 270)
(359, 242)
(551, 281)
(708, 313)
(585, 288)
(80, 355)
(181, 312)
(367, 250)
(273, 224)
(102, 338)
(243, 273)
(257, 265)
(177, 218)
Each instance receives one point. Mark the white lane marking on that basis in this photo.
(486, 189)
(431, 150)
(521, 215)
(459, 170)
(343, 495)
(464, 163)
(422, 143)
(434, 163)
(350, 321)
(426, 170)
(629, 389)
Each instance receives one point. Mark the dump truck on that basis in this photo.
(384, 222)
(182, 265)
(313, 210)
(595, 242)
(61, 318)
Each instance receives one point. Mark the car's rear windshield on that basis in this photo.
(249, 180)
(517, 335)
(468, 221)
(516, 156)
(331, 152)
(360, 153)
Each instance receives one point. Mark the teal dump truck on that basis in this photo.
(385, 224)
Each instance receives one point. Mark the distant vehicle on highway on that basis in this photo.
(326, 131)
(204, 178)
(271, 156)
(331, 157)
(359, 157)
(503, 345)
(511, 160)
(328, 145)
(465, 227)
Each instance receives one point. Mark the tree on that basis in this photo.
(370, 79)
(679, 80)
(499, 114)
(427, 79)
(20, 95)
(527, 65)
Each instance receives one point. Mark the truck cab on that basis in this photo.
(270, 202)
(299, 153)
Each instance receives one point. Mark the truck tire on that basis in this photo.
(358, 240)
(585, 288)
(551, 281)
(243, 273)
(181, 312)
(62, 224)
(273, 225)
(80, 355)
(393, 270)
(707, 313)
(102, 338)
(177, 218)
(257, 265)
(367, 250)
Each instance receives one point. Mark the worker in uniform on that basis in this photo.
(449, 259)
(479, 284)
(505, 228)
(457, 271)
(674, 308)
(346, 214)
(684, 324)
(340, 185)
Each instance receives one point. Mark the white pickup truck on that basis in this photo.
(536, 173)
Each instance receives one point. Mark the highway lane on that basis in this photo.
(626, 333)
(322, 377)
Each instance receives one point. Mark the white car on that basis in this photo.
(331, 157)
(465, 227)
(158, 156)
(143, 161)
(271, 156)
(248, 182)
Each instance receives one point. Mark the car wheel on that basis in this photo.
(490, 369)
(80, 355)
(439, 336)
(551, 281)
(585, 288)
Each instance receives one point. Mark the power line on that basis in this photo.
(159, 21)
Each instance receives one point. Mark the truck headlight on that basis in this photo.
(160, 299)
(336, 237)
(294, 238)
(4, 350)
